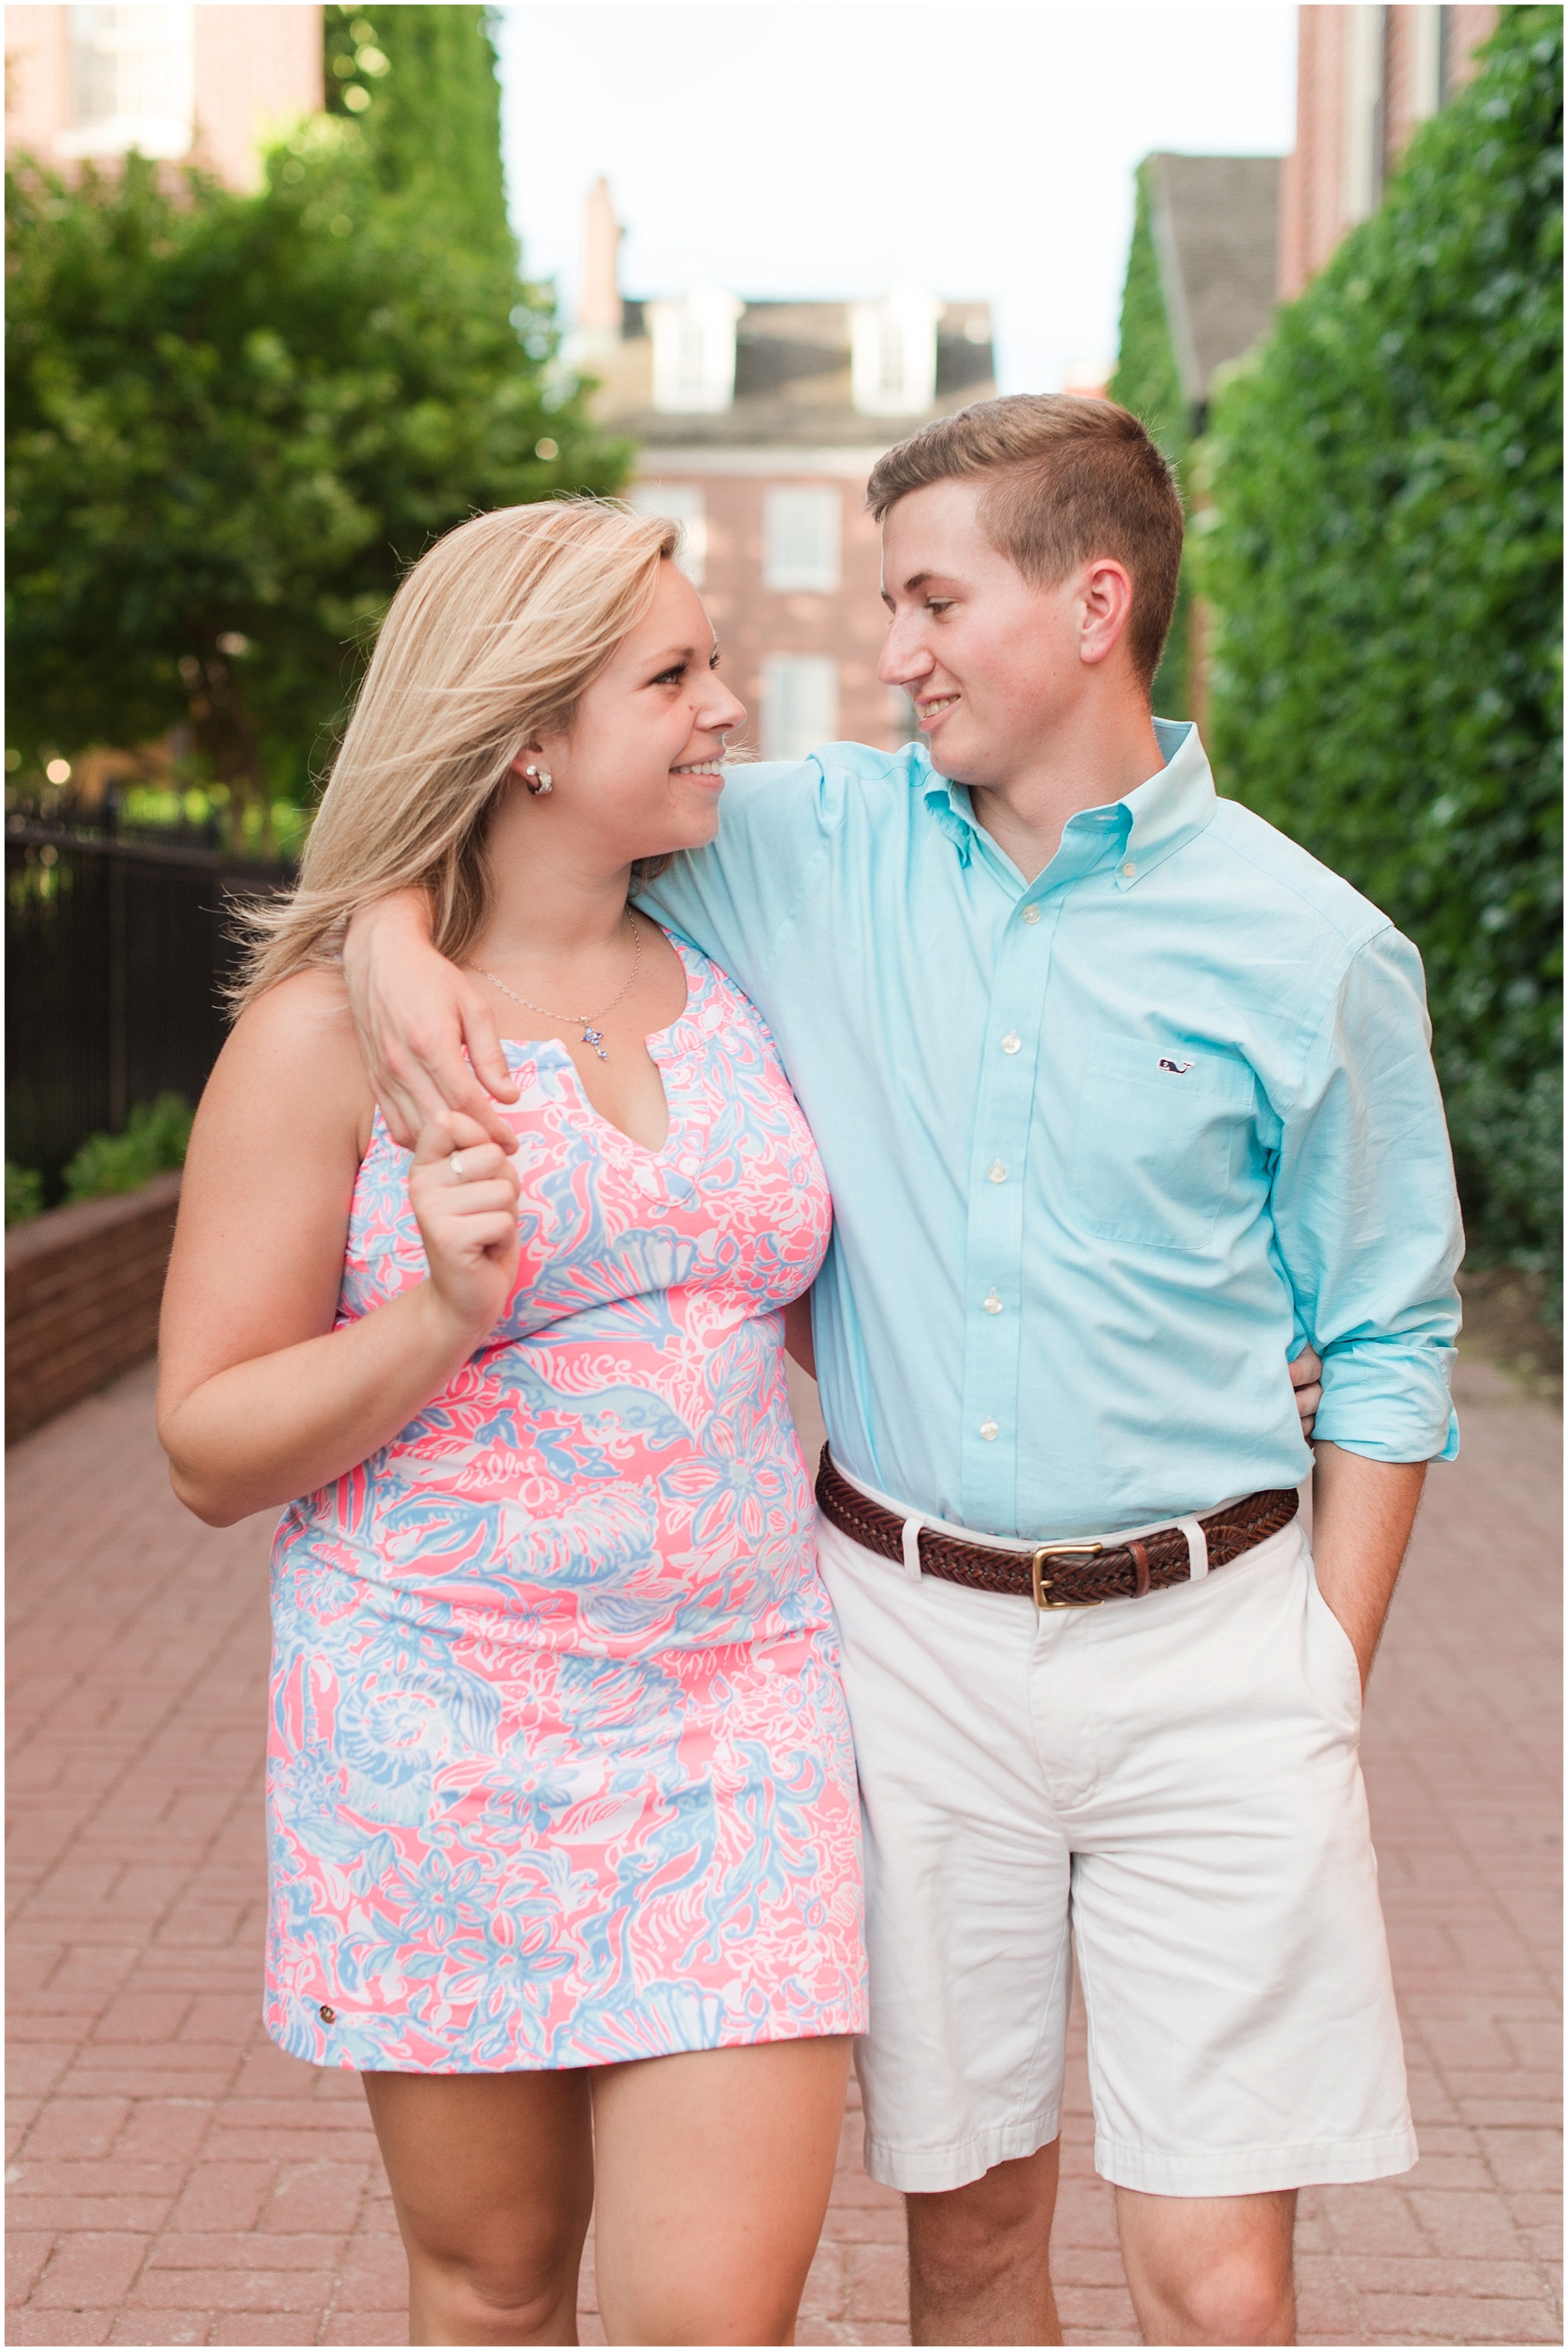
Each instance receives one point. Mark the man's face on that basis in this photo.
(990, 662)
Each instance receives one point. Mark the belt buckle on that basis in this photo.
(1042, 1583)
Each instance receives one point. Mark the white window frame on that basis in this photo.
(803, 538)
(893, 353)
(684, 503)
(1426, 62)
(799, 703)
(694, 352)
(133, 82)
(1361, 161)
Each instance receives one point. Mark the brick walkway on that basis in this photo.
(175, 2180)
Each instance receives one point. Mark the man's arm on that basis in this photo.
(416, 1017)
(428, 1034)
(1366, 1217)
(1369, 1229)
(1363, 1512)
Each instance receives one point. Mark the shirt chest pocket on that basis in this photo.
(1157, 1139)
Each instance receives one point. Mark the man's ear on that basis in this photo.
(1105, 603)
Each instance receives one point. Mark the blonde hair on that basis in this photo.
(494, 636)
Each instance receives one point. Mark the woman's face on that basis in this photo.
(641, 763)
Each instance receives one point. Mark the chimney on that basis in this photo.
(598, 313)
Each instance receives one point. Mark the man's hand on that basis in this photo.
(414, 1012)
(1363, 1512)
(1306, 1378)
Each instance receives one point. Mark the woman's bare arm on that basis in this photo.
(259, 1399)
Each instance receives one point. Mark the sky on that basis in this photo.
(781, 148)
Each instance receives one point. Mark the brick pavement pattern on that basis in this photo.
(176, 2179)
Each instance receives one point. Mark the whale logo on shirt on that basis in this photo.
(1176, 1069)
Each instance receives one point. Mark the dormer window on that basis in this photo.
(893, 353)
(133, 82)
(694, 352)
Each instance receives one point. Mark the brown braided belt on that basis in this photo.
(1064, 1575)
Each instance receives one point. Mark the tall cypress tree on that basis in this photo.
(1148, 382)
(421, 82)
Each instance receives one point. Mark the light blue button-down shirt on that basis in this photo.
(1105, 1147)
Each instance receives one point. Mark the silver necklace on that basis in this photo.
(585, 1021)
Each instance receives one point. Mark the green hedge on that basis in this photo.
(1386, 566)
(1147, 380)
(154, 1138)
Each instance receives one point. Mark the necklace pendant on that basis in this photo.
(595, 1036)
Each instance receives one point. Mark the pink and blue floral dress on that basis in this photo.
(559, 1769)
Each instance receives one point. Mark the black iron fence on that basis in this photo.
(117, 946)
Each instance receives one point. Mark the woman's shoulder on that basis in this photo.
(295, 1042)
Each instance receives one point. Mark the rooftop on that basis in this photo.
(800, 371)
(1215, 220)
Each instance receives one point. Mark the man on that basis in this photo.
(1122, 1097)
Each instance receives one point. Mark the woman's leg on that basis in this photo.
(492, 2176)
(714, 2171)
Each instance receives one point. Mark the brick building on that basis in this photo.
(1365, 77)
(189, 85)
(758, 423)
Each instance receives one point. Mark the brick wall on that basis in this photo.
(1366, 78)
(37, 78)
(255, 67)
(83, 1286)
(752, 619)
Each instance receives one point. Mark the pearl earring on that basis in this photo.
(539, 780)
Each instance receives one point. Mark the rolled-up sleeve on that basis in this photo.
(1367, 1216)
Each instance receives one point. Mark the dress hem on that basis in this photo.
(849, 2029)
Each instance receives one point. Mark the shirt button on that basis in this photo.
(990, 1431)
(996, 1172)
(991, 1303)
(1128, 869)
(1031, 913)
(1011, 1041)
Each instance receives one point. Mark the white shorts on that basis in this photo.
(1173, 1782)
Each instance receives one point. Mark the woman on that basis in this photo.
(561, 1802)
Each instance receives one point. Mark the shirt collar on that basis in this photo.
(1170, 809)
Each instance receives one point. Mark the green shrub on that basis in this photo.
(1386, 567)
(1148, 382)
(155, 1137)
(24, 1194)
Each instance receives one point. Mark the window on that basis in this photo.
(893, 353)
(1426, 38)
(801, 534)
(799, 703)
(133, 82)
(681, 502)
(694, 352)
(1361, 158)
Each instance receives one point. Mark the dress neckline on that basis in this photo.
(664, 1046)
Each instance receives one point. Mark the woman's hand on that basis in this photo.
(413, 1013)
(261, 1394)
(463, 1189)
(1306, 1378)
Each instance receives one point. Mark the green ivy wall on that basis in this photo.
(1385, 566)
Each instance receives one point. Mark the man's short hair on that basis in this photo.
(1072, 479)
